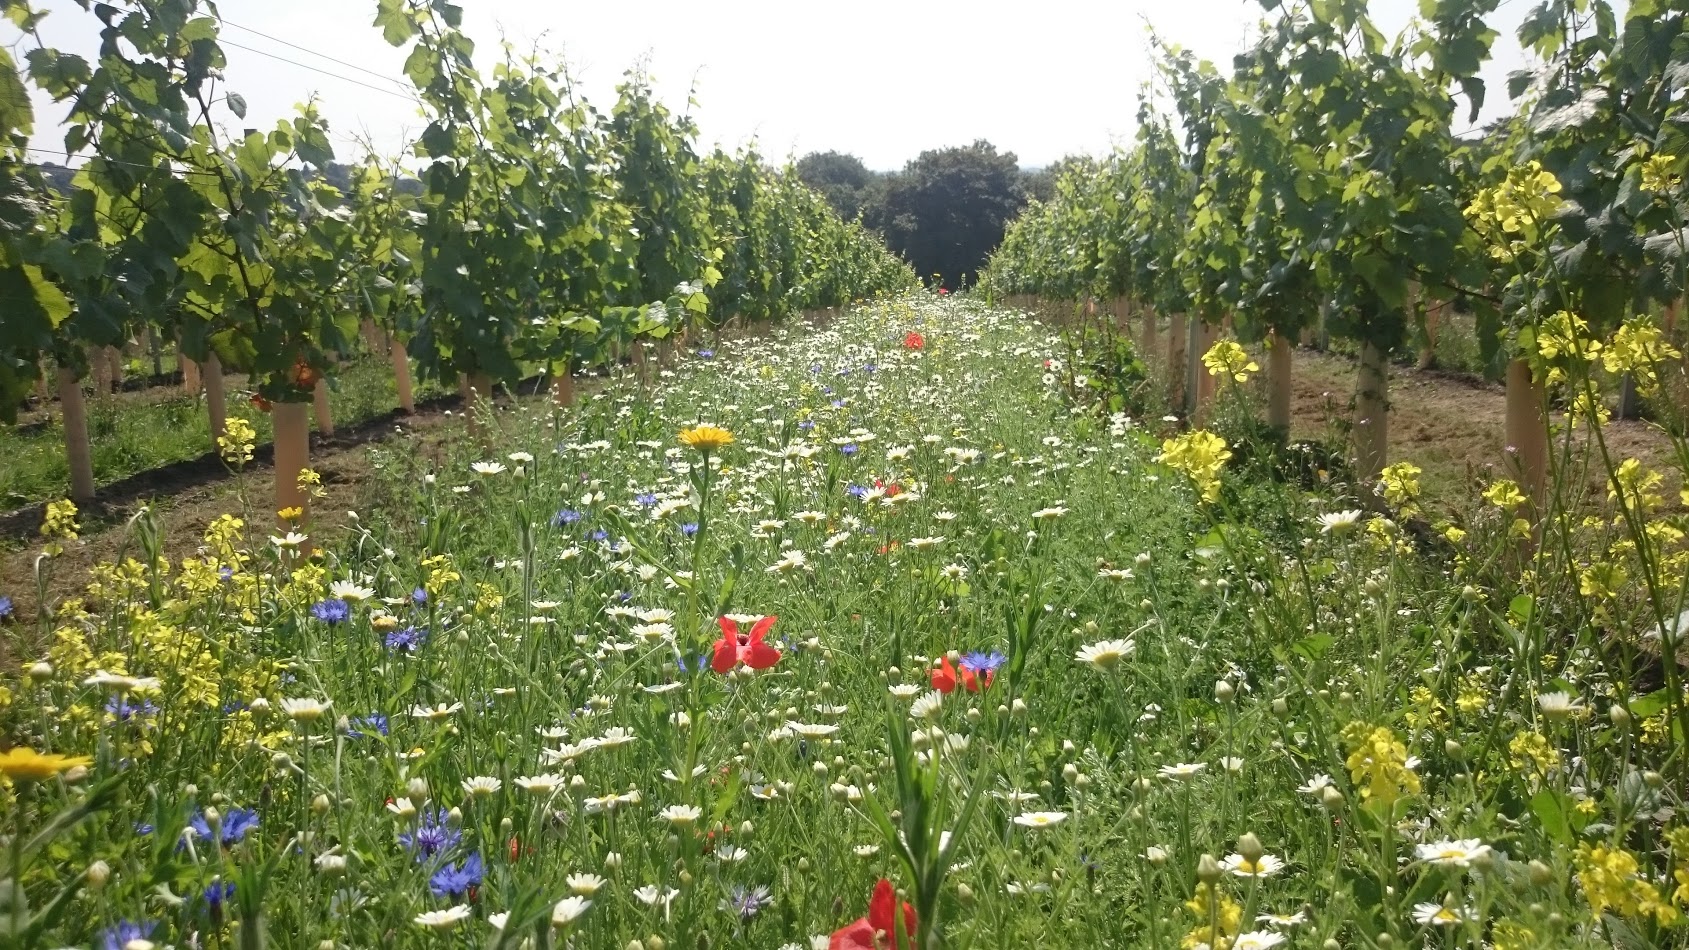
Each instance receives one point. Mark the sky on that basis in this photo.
(882, 79)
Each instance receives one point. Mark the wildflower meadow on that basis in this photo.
(861, 636)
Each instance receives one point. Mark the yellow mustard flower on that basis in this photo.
(23, 764)
(706, 438)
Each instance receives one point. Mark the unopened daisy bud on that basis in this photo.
(343, 724)
(1144, 784)
(97, 875)
(1541, 874)
(1331, 798)
(506, 826)
(894, 674)
(190, 790)
(820, 769)
(1081, 780)
(577, 784)
(321, 805)
(1469, 593)
(1224, 692)
(213, 819)
(1385, 941)
(1208, 870)
(1018, 708)
(455, 817)
(803, 864)
(746, 829)
(1070, 772)
(1453, 749)
(326, 944)
(41, 670)
(1618, 716)
(1250, 846)
(964, 895)
(417, 789)
(1280, 707)
(1653, 779)
(613, 860)
(635, 944)
(1002, 711)
(1155, 855)
(685, 878)
(1331, 944)
(655, 942)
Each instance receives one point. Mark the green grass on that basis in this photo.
(1347, 702)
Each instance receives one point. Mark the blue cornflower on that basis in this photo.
(331, 611)
(565, 517)
(120, 934)
(870, 368)
(432, 836)
(646, 499)
(706, 354)
(419, 596)
(856, 491)
(807, 424)
(225, 572)
(408, 639)
(125, 710)
(216, 893)
(600, 535)
(452, 880)
(838, 404)
(374, 722)
(236, 823)
(848, 448)
(689, 529)
(747, 902)
(5, 607)
(978, 662)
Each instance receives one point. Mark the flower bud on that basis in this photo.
(803, 864)
(964, 895)
(41, 670)
(1224, 692)
(97, 875)
(1453, 749)
(1619, 716)
(455, 817)
(321, 805)
(1280, 707)
(1156, 855)
(1250, 846)
(613, 861)
(1653, 779)
(655, 942)
(746, 829)
(259, 706)
(1541, 874)
(1019, 707)
(1331, 798)
(1070, 772)
(1208, 870)
(417, 789)
(685, 878)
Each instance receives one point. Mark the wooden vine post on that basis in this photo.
(114, 365)
(1428, 346)
(1176, 343)
(190, 373)
(99, 367)
(320, 407)
(1527, 432)
(1279, 354)
(216, 404)
(1149, 341)
(1207, 383)
(293, 455)
(402, 375)
(1372, 419)
(563, 388)
(77, 450)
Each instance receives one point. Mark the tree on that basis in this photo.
(947, 209)
(842, 179)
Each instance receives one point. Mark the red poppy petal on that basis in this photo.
(726, 655)
(882, 906)
(729, 629)
(760, 656)
(857, 935)
(761, 627)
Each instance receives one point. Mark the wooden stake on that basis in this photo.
(1527, 432)
(402, 376)
(1207, 384)
(1428, 347)
(99, 365)
(293, 455)
(1279, 353)
(216, 405)
(78, 453)
(190, 373)
(1372, 420)
(115, 368)
(1176, 343)
(563, 389)
(1149, 331)
(319, 403)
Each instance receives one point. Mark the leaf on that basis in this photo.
(1315, 646)
(1550, 809)
(237, 104)
(1649, 706)
(1574, 114)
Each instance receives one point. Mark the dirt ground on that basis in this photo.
(1450, 425)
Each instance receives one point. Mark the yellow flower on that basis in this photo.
(311, 483)
(1227, 358)
(1378, 763)
(291, 513)
(1636, 348)
(1611, 883)
(23, 764)
(1504, 494)
(236, 442)
(1200, 455)
(1531, 750)
(706, 438)
(1400, 482)
(1657, 177)
(1226, 915)
(60, 524)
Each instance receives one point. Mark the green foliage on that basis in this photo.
(947, 209)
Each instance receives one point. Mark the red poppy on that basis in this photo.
(304, 376)
(734, 647)
(872, 932)
(914, 341)
(944, 678)
(260, 403)
(942, 292)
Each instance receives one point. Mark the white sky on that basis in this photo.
(878, 78)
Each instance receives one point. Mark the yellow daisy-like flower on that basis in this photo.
(23, 764)
(706, 438)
